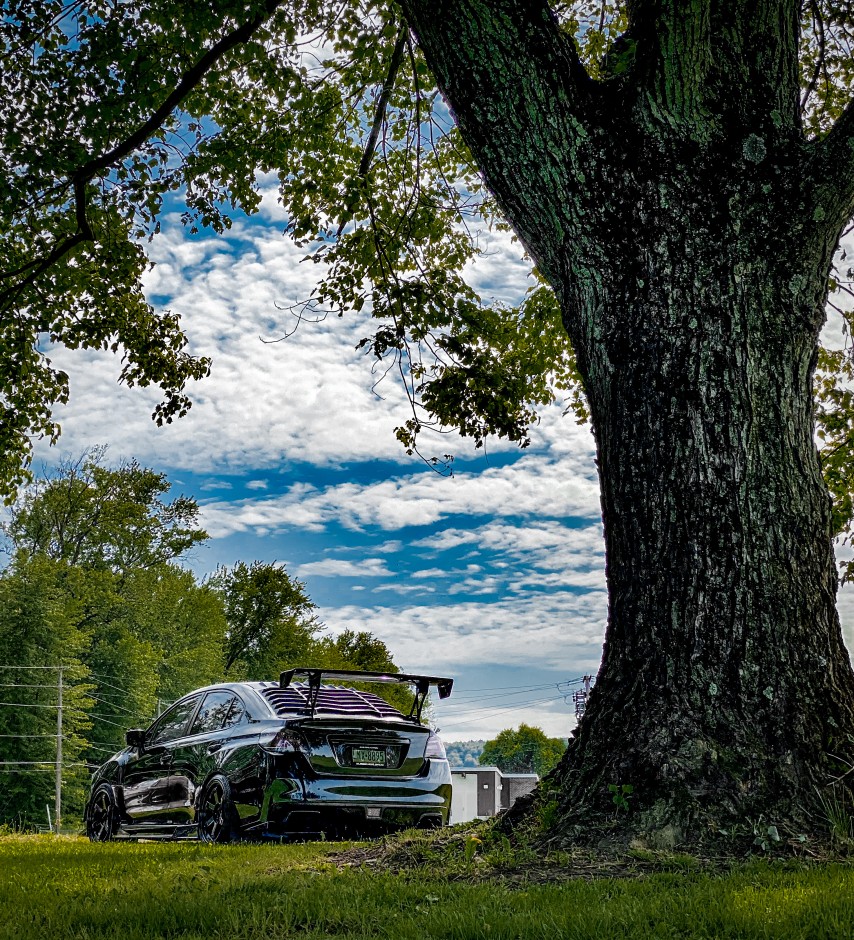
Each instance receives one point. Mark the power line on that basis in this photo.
(38, 770)
(502, 711)
(70, 668)
(106, 701)
(11, 763)
(524, 691)
(100, 676)
(28, 704)
(498, 688)
(507, 707)
(27, 735)
(107, 721)
(21, 685)
(36, 667)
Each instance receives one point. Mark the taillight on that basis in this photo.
(435, 748)
(285, 742)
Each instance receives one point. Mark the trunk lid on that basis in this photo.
(362, 748)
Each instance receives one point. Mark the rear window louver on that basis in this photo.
(331, 700)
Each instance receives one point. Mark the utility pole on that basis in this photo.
(57, 807)
(580, 697)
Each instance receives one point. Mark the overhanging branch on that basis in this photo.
(81, 177)
(382, 104)
(379, 114)
(833, 171)
(521, 98)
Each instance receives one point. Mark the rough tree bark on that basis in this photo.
(687, 227)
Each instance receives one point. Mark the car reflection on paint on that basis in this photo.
(280, 760)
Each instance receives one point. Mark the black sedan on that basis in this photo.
(279, 759)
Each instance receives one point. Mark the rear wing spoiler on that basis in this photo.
(421, 684)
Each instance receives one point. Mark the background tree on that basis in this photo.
(41, 626)
(464, 753)
(97, 516)
(270, 619)
(363, 651)
(92, 585)
(679, 176)
(526, 750)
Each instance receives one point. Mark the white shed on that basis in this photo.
(480, 792)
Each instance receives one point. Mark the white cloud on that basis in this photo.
(401, 587)
(258, 485)
(535, 629)
(487, 585)
(433, 573)
(309, 398)
(390, 547)
(532, 486)
(341, 568)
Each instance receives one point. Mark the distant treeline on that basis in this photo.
(94, 583)
(464, 753)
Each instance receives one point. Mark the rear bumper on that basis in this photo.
(361, 805)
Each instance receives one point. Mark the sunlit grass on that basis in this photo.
(69, 888)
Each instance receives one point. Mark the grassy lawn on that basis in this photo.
(54, 888)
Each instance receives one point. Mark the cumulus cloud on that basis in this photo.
(342, 568)
(307, 398)
(401, 587)
(531, 486)
(535, 629)
(310, 398)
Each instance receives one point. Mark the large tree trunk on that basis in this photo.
(725, 692)
(679, 216)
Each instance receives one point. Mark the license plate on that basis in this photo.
(369, 756)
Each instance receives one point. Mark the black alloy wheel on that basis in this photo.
(102, 822)
(217, 819)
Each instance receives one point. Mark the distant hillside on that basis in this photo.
(464, 753)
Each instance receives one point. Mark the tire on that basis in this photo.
(102, 819)
(216, 818)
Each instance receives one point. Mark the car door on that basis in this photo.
(146, 776)
(195, 755)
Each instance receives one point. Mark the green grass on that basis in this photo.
(55, 888)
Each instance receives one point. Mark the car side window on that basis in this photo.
(213, 713)
(172, 724)
(236, 714)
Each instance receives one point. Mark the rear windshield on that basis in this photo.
(331, 700)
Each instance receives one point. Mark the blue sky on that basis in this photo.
(494, 576)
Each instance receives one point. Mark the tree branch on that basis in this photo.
(832, 170)
(379, 115)
(521, 98)
(382, 104)
(189, 80)
(732, 57)
(81, 177)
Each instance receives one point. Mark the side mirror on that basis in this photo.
(135, 738)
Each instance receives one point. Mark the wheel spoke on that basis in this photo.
(101, 817)
(213, 815)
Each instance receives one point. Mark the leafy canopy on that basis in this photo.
(112, 111)
(523, 750)
(271, 619)
(95, 516)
